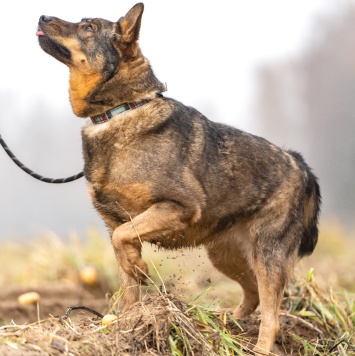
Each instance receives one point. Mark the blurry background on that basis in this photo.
(281, 69)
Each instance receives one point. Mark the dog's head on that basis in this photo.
(91, 45)
(95, 50)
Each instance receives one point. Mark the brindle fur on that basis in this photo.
(165, 174)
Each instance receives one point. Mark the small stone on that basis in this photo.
(29, 298)
(108, 319)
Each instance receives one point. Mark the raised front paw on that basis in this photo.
(136, 268)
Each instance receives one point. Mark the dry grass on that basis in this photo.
(316, 318)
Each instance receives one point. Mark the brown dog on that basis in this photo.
(161, 172)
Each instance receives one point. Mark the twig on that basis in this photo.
(38, 318)
(303, 321)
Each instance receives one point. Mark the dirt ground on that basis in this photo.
(55, 300)
(144, 330)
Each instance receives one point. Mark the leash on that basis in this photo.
(35, 175)
(98, 119)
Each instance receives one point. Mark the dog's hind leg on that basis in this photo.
(228, 258)
(250, 299)
(274, 260)
(270, 291)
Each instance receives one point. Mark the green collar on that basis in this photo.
(106, 116)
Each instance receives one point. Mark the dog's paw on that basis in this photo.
(260, 351)
(141, 271)
(136, 268)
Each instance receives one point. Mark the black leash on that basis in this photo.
(35, 175)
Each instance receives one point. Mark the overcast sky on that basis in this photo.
(206, 51)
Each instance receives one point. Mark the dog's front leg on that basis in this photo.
(129, 286)
(158, 219)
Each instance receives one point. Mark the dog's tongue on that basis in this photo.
(39, 33)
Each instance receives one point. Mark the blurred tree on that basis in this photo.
(308, 103)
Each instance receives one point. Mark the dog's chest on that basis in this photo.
(115, 182)
(119, 203)
(108, 155)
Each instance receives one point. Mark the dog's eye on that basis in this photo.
(89, 28)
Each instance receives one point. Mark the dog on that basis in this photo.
(159, 171)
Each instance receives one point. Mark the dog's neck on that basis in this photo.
(92, 95)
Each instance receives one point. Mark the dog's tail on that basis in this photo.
(312, 202)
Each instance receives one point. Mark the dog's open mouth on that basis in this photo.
(52, 47)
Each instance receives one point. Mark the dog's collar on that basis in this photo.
(102, 118)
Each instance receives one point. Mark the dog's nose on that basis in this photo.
(45, 18)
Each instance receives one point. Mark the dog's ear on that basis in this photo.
(131, 23)
(127, 32)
